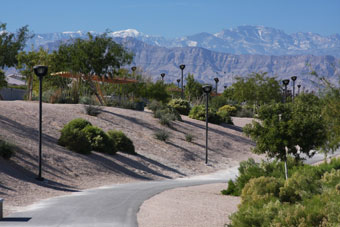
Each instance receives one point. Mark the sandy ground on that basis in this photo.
(66, 171)
(198, 206)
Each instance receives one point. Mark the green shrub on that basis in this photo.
(6, 150)
(188, 137)
(122, 142)
(225, 112)
(99, 140)
(162, 135)
(86, 100)
(92, 110)
(332, 178)
(198, 112)
(231, 188)
(245, 112)
(154, 105)
(67, 132)
(180, 105)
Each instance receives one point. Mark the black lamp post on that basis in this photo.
(133, 68)
(285, 83)
(225, 87)
(206, 89)
(162, 75)
(216, 80)
(293, 79)
(40, 71)
(178, 80)
(182, 92)
(299, 85)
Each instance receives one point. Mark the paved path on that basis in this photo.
(115, 205)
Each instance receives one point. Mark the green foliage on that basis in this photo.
(11, 44)
(288, 125)
(193, 89)
(189, 137)
(6, 150)
(122, 142)
(74, 138)
(225, 112)
(244, 111)
(218, 101)
(166, 114)
(3, 82)
(162, 135)
(182, 106)
(92, 110)
(99, 140)
(198, 112)
(158, 91)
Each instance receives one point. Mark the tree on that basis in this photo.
(158, 91)
(98, 55)
(11, 44)
(26, 62)
(257, 88)
(285, 127)
(193, 88)
(3, 82)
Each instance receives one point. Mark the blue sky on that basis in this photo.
(171, 18)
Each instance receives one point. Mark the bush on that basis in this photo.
(6, 150)
(245, 112)
(189, 137)
(198, 112)
(121, 142)
(180, 105)
(92, 110)
(99, 140)
(162, 135)
(225, 112)
(154, 105)
(86, 100)
(69, 129)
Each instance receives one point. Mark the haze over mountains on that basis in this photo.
(237, 51)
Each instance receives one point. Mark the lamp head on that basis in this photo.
(225, 86)
(182, 67)
(285, 82)
(293, 78)
(207, 88)
(216, 80)
(299, 85)
(162, 75)
(40, 70)
(133, 68)
(178, 80)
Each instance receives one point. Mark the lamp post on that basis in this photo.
(133, 68)
(216, 80)
(206, 89)
(178, 80)
(293, 79)
(40, 71)
(162, 75)
(225, 87)
(182, 92)
(285, 83)
(299, 85)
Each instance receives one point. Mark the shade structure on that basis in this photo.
(105, 79)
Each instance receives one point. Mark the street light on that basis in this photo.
(216, 80)
(162, 75)
(40, 71)
(133, 68)
(299, 85)
(178, 80)
(285, 83)
(182, 92)
(293, 79)
(206, 89)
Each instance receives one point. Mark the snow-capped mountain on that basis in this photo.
(240, 40)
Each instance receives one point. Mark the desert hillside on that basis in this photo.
(67, 171)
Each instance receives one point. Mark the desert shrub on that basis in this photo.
(180, 105)
(162, 135)
(154, 105)
(77, 141)
(332, 178)
(85, 100)
(122, 142)
(189, 137)
(99, 140)
(231, 188)
(218, 101)
(245, 112)
(92, 110)
(6, 149)
(69, 129)
(198, 112)
(225, 112)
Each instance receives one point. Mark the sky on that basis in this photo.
(171, 18)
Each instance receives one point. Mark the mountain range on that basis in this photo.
(232, 52)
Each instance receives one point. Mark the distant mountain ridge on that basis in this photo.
(240, 40)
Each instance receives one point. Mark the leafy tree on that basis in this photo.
(158, 91)
(257, 88)
(26, 62)
(98, 55)
(193, 89)
(3, 82)
(11, 44)
(283, 127)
